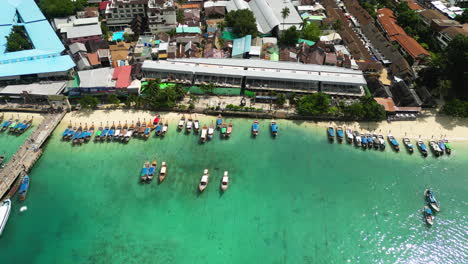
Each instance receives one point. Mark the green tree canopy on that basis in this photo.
(289, 37)
(463, 18)
(366, 109)
(180, 17)
(314, 104)
(89, 101)
(242, 21)
(18, 40)
(156, 98)
(311, 31)
(61, 8)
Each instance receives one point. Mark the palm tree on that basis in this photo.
(285, 13)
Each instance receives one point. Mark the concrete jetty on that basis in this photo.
(27, 155)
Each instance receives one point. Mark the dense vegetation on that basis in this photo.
(447, 73)
(242, 21)
(319, 104)
(411, 22)
(463, 18)
(18, 40)
(156, 98)
(61, 8)
(89, 101)
(456, 108)
(289, 37)
(311, 31)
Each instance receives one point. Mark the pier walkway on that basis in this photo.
(27, 155)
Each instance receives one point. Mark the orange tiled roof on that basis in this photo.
(413, 5)
(396, 33)
(93, 58)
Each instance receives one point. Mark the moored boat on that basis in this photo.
(229, 130)
(428, 215)
(219, 122)
(156, 120)
(123, 132)
(16, 128)
(5, 209)
(23, 189)
(225, 181)
(76, 136)
(435, 148)
(441, 146)
(431, 200)
(65, 133)
(204, 133)
(89, 133)
(393, 142)
(117, 132)
(164, 129)
(104, 133)
(196, 126)
(83, 134)
(204, 181)
(189, 125)
(129, 134)
(6, 124)
(210, 131)
(375, 138)
(2, 159)
(25, 127)
(12, 126)
(144, 172)
(162, 171)
(274, 128)
(152, 170)
(141, 131)
(136, 128)
(381, 141)
(448, 147)
(370, 141)
(408, 145)
(223, 130)
(111, 133)
(97, 137)
(147, 131)
(339, 134)
(363, 141)
(180, 126)
(349, 136)
(331, 133)
(255, 128)
(158, 129)
(357, 139)
(422, 147)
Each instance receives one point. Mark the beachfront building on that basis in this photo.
(38, 91)
(268, 14)
(258, 75)
(44, 60)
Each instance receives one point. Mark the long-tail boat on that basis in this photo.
(110, 135)
(65, 133)
(144, 172)
(123, 132)
(210, 131)
(255, 128)
(105, 132)
(274, 128)
(136, 129)
(90, 133)
(147, 131)
(196, 126)
(156, 120)
(163, 171)
(14, 129)
(180, 126)
(152, 170)
(23, 190)
(12, 126)
(219, 122)
(448, 147)
(158, 129)
(229, 130)
(164, 129)
(223, 130)
(204, 133)
(129, 134)
(83, 134)
(117, 132)
(141, 131)
(6, 124)
(76, 136)
(188, 125)
(26, 126)
(98, 133)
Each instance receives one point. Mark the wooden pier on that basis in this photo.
(27, 155)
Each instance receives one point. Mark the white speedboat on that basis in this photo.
(189, 125)
(5, 209)
(164, 129)
(349, 136)
(204, 133)
(204, 181)
(210, 131)
(225, 181)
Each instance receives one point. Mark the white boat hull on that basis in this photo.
(5, 209)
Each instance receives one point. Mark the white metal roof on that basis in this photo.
(84, 31)
(101, 77)
(42, 88)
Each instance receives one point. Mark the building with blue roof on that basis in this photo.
(241, 46)
(45, 59)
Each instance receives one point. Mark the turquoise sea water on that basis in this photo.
(10, 143)
(293, 199)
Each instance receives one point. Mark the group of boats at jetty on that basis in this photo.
(207, 132)
(377, 141)
(15, 126)
(5, 206)
(120, 133)
(149, 170)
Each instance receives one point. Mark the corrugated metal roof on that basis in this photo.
(193, 30)
(84, 31)
(54, 64)
(101, 77)
(48, 88)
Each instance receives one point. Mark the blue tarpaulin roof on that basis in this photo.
(241, 45)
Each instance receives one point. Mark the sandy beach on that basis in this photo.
(37, 118)
(426, 127)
